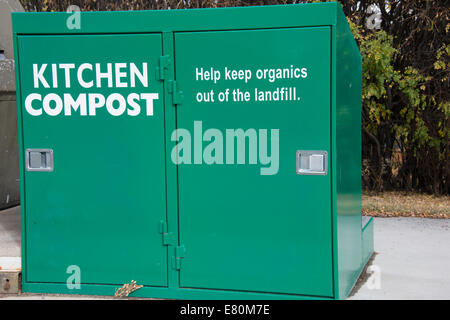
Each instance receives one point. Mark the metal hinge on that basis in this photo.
(167, 237)
(177, 95)
(180, 252)
(164, 62)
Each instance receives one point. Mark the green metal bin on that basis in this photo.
(203, 153)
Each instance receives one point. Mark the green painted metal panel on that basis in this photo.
(163, 293)
(367, 241)
(348, 156)
(101, 206)
(243, 230)
(231, 231)
(255, 17)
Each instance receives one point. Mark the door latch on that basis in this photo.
(312, 162)
(39, 159)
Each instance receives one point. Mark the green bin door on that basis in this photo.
(100, 208)
(243, 230)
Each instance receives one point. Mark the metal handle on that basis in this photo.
(312, 162)
(39, 159)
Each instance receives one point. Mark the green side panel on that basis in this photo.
(101, 206)
(348, 156)
(243, 230)
(367, 241)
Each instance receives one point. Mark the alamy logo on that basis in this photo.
(74, 280)
(209, 147)
(374, 281)
(74, 20)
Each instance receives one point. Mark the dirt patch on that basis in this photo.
(398, 204)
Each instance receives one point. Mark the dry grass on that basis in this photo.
(399, 204)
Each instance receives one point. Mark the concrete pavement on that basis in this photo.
(412, 261)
